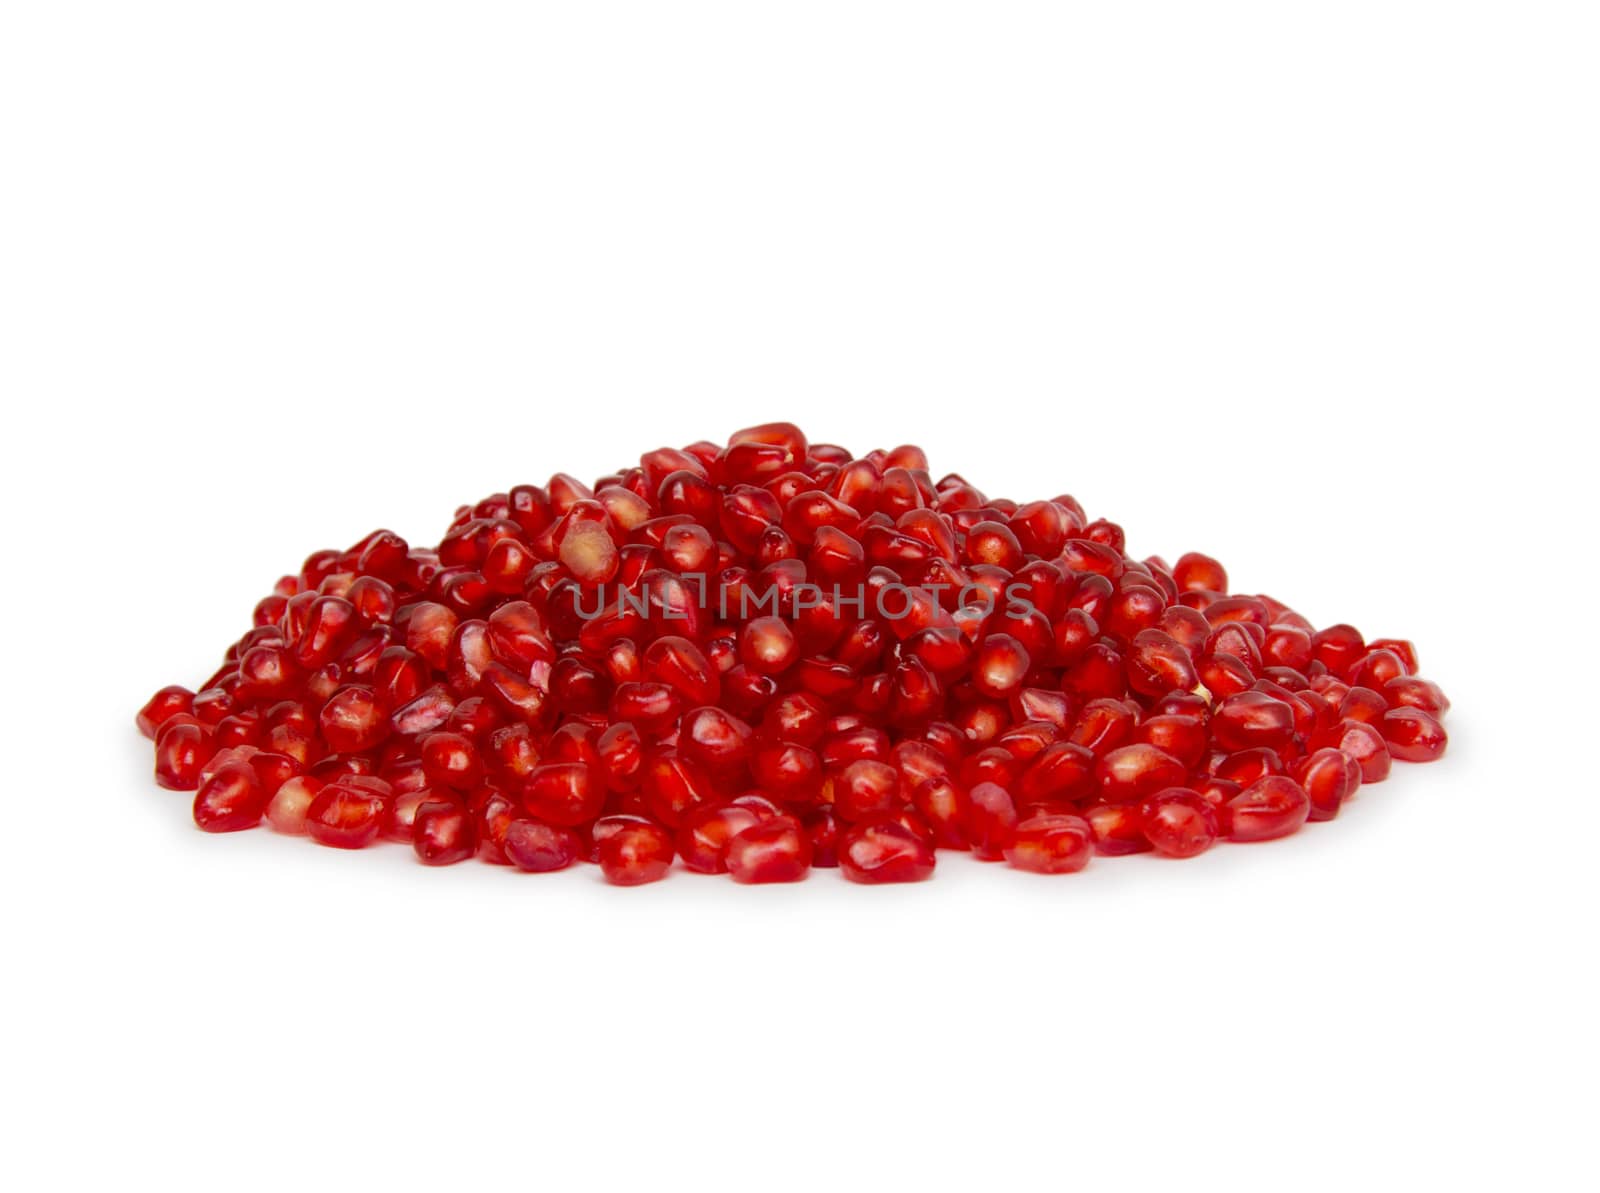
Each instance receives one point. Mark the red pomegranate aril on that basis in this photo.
(1363, 704)
(162, 707)
(1252, 720)
(1184, 737)
(1246, 766)
(1408, 691)
(1131, 773)
(286, 810)
(181, 751)
(1118, 829)
(866, 789)
(1000, 665)
(353, 720)
(1338, 648)
(943, 806)
(702, 839)
(884, 851)
(1195, 571)
(634, 853)
(1325, 776)
(345, 816)
(1179, 822)
(1052, 843)
(565, 794)
(1158, 663)
(443, 833)
(1413, 735)
(1362, 742)
(777, 849)
(496, 813)
(715, 739)
(991, 821)
(1271, 807)
(230, 800)
(767, 646)
(538, 847)
(451, 760)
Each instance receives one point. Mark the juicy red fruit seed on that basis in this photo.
(539, 848)
(1179, 822)
(885, 851)
(443, 832)
(1271, 807)
(775, 850)
(347, 814)
(1051, 843)
(635, 854)
(230, 800)
(775, 655)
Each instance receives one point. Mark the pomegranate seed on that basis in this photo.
(181, 751)
(776, 849)
(450, 760)
(635, 853)
(1131, 773)
(286, 810)
(702, 841)
(565, 794)
(1271, 807)
(866, 789)
(1363, 743)
(1118, 829)
(537, 847)
(162, 707)
(348, 813)
(1413, 735)
(1252, 720)
(1179, 822)
(443, 832)
(1052, 843)
(991, 821)
(230, 800)
(353, 720)
(884, 851)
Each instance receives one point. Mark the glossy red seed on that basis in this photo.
(777, 849)
(867, 789)
(230, 800)
(635, 853)
(181, 751)
(884, 851)
(1362, 742)
(1118, 829)
(1413, 735)
(444, 832)
(1271, 807)
(538, 847)
(1052, 843)
(451, 760)
(1325, 776)
(1135, 772)
(346, 815)
(1179, 822)
(563, 793)
(286, 810)
(1252, 720)
(162, 707)
(991, 820)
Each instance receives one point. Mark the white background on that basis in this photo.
(1311, 287)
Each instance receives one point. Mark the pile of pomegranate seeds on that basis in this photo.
(770, 656)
